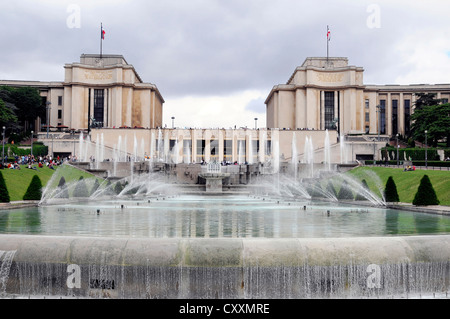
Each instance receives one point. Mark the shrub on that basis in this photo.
(81, 189)
(4, 194)
(118, 188)
(364, 185)
(345, 192)
(34, 191)
(425, 194)
(330, 189)
(390, 191)
(95, 187)
(64, 193)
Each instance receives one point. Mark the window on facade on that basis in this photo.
(394, 117)
(241, 151)
(268, 148)
(382, 116)
(407, 117)
(254, 146)
(187, 146)
(99, 111)
(214, 148)
(329, 110)
(60, 99)
(367, 104)
(228, 150)
(59, 114)
(200, 149)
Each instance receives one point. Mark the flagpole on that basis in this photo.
(101, 40)
(328, 43)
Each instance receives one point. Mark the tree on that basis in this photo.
(390, 191)
(426, 194)
(4, 194)
(426, 99)
(34, 191)
(433, 116)
(81, 189)
(25, 102)
(7, 115)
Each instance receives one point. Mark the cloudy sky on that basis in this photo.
(215, 61)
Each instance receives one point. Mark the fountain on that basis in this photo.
(327, 152)
(214, 177)
(287, 237)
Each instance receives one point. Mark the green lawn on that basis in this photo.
(17, 181)
(407, 182)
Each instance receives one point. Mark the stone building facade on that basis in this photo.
(330, 94)
(324, 105)
(99, 92)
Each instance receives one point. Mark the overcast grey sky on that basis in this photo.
(215, 61)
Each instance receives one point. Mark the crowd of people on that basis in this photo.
(32, 162)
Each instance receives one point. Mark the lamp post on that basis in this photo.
(3, 150)
(173, 121)
(426, 150)
(396, 136)
(256, 123)
(48, 116)
(32, 143)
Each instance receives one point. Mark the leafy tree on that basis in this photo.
(34, 191)
(4, 194)
(432, 116)
(434, 119)
(7, 115)
(426, 99)
(80, 189)
(28, 103)
(25, 102)
(390, 191)
(426, 194)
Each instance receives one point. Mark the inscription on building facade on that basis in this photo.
(330, 77)
(98, 75)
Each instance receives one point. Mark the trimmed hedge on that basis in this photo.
(38, 150)
(390, 191)
(34, 191)
(415, 163)
(426, 194)
(4, 194)
(415, 154)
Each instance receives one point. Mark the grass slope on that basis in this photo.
(17, 181)
(407, 182)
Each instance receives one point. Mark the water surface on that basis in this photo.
(218, 217)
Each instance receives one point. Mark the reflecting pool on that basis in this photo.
(190, 216)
